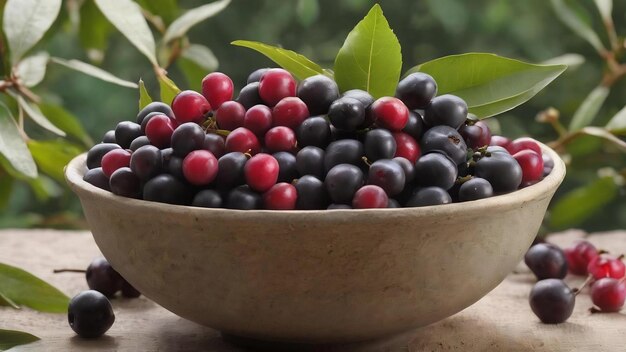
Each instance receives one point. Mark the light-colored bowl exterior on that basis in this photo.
(315, 276)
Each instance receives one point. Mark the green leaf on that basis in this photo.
(66, 121)
(577, 24)
(12, 338)
(26, 21)
(6, 301)
(32, 69)
(28, 290)
(36, 115)
(490, 84)
(6, 187)
(617, 124)
(144, 96)
(52, 156)
(126, 16)
(201, 56)
(166, 9)
(192, 72)
(605, 7)
(93, 71)
(94, 31)
(308, 11)
(605, 134)
(370, 58)
(168, 89)
(573, 61)
(181, 25)
(13, 147)
(589, 108)
(298, 65)
(578, 205)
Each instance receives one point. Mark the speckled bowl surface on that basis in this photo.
(315, 276)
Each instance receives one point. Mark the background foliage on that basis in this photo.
(527, 30)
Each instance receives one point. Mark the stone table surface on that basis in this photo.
(501, 321)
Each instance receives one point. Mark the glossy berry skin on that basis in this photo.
(364, 97)
(501, 170)
(416, 90)
(342, 182)
(126, 132)
(139, 142)
(311, 193)
(548, 164)
(546, 261)
(476, 135)
(552, 301)
(392, 203)
(156, 106)
(289, 112)
(379, 144)
(146, 162)
(148, 117)
(217, 88)
(249, 95)
(387, 174)
(90, 314)
(606, 266)
(230, 170)
(448, 110)
(415, 126)
(494, 149)
(310, 161)
(287, 169)
(256, 75)
(200, 167)
(243, 198)
(390, 113)
(109, 137)
(215, 144)
(186, 138)
(474, 189)
(207, 198)
(258, 119)
(523, 143)
(95, 154)
(230, 115)
(408, 168)
(339, 206)
(435, 170)
(261, 172)
(499, 141)
(125, 183)
(531, 164)
(276, 84)
(282, 196)
(428, 196)
(318, 92)
(190, 106)
(344, 151)
(346, 114)
(280, 139)
(242, 140)
(314, 131)
(406, 147)
(115, 159)
(166, 188)
(103, 278)
(97, 178)
(579, 255)
(159, 131)
(608, 294)
(370, 196)
(447, 140)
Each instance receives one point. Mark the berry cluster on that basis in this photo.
(285, 145)
(552, 300)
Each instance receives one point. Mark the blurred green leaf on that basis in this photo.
(201, 56)
(605, 7)
(7, 302)
(617, 124)
(168, 89)
(144, 97)
(583, 145)
(32, 69)
(308, 11)
(573, 61)
(126, 16)
(451, 13)
(576, 23)
(36, 115)
(489, 84)
(13, 147)
(589, 108)
(12, 338)
(181, 25)
(298, 65)
(44, 188)
(52, 156)
(28, 290)
(166, 9)
(67, 122)
(604, 134)
(26, 21)
(192, 72)
(370, 58)
(578, 205)
(93, 71)
(94, 31)
(6, 185)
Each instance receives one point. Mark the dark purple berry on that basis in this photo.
(90, 314)
(416, 90)
(310, 161)
(436, 170)
(318, 92)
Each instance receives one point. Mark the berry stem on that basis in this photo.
(56, 271)
(587, 281)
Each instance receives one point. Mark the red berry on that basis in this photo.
(261, 172)
(217, 88)
(406, 147)
(531, 164)
(500, 141)
(229, 115)
(476, 135)
(289, 112)
(579, 255)
(605, 266)
(280, 139)
(159, 131)
(242, 140)
(258, 119)
(190, 106)
(390, 113)
(608, 294)
(370, 196)
(115, 159)
(276, 84)
(523, 144)
(200, 167)
(282, 196)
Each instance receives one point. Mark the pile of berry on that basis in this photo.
(552, 300)
(285, 145)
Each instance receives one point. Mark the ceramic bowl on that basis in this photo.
(315, 276)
